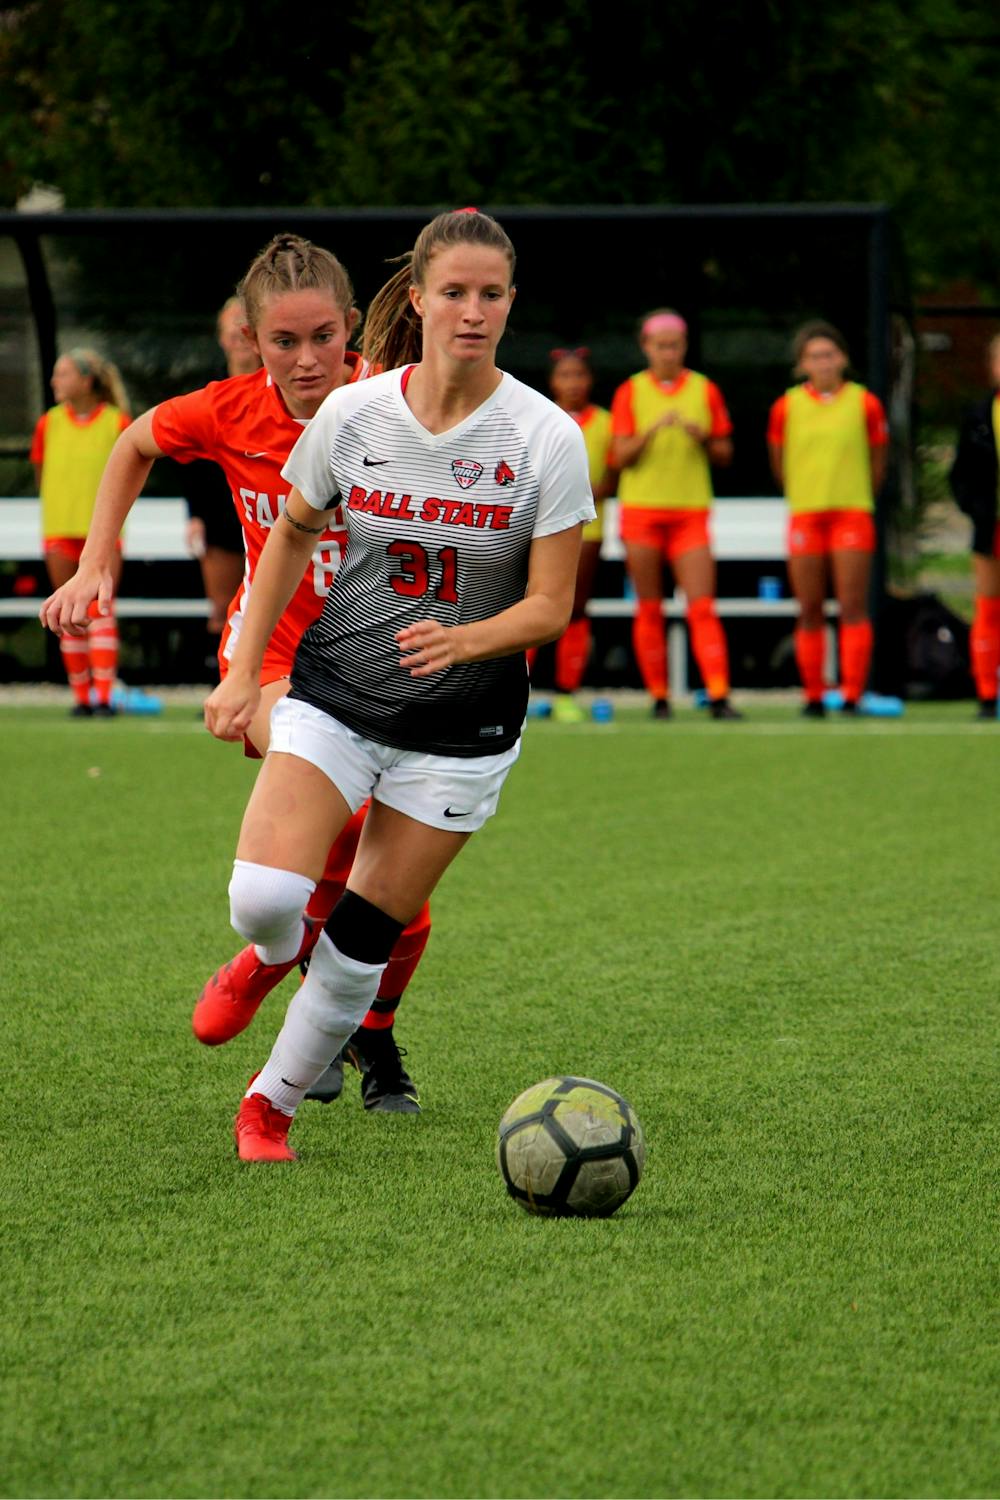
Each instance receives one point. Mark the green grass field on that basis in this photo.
(778, 939)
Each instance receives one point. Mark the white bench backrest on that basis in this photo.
(751, 530)
(154, 532)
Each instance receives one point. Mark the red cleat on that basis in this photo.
(262, 1131)
(230, 999)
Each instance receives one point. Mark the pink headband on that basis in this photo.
(664, 323)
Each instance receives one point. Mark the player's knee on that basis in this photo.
(701, 609)
(264, 902)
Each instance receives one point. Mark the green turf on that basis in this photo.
(778, 939)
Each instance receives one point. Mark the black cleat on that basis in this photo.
(721, 708)
(331, 1084)
(81, 711)
(987, 708)
(385, 1084)
(662, 709)
(849, 706)
(105, 711)
(816, 709)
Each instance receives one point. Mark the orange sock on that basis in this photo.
(984, 647)
(102, 646)
(76, 662)
(572, 651)
(708, 642)
(810, 649)
(855, 659)
(650, 646)
(402, 965)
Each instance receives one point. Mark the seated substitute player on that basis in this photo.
(670, 424)
(571, 381)
(464, 494)
(975, 483)
(300, 312)
(827, 443)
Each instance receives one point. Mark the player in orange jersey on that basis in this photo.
(974, 482)
(300, 312)
(571, 381)
(70, 447)
(670, 424)
(827, 442)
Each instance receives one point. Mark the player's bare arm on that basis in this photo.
(719, 451)
(541, 616)
(776, 455)
(879, 457)
(125, 473)
(626, 451)
(231, 707)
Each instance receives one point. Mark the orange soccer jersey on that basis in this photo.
(243, 425)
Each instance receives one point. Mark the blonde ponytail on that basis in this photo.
(106, 377)
(393, 332)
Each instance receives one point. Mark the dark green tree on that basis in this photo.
(172, 103)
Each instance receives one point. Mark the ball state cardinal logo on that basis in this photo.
(504, 473)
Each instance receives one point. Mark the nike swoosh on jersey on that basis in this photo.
(248, 454)
(373, 463)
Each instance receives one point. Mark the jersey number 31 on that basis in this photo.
(414, 578)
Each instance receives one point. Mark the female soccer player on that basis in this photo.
(670, 424)
(571, 381)
(827, 442)
(974, 483)
(70, 447)
(464, 493)
(300, 312)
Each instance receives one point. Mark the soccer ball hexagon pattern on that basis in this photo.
(570, 1146)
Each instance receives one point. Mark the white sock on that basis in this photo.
(266, 906)
(327, 1008)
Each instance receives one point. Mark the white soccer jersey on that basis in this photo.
(440, 527)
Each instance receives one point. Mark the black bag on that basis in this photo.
(937, 651)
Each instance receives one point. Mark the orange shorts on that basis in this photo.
(70, 547)
(671, 532)
(818, 532)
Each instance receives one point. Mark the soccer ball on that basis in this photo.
(570, 1146)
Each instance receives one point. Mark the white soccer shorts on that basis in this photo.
(444, 791)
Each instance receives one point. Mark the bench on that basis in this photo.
(743, 530)
(156, 531)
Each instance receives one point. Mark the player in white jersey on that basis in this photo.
(464, 494)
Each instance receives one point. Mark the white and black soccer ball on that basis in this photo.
(570, 1146)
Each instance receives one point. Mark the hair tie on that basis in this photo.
(465, 210)
(666, 322)
(583, 353)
